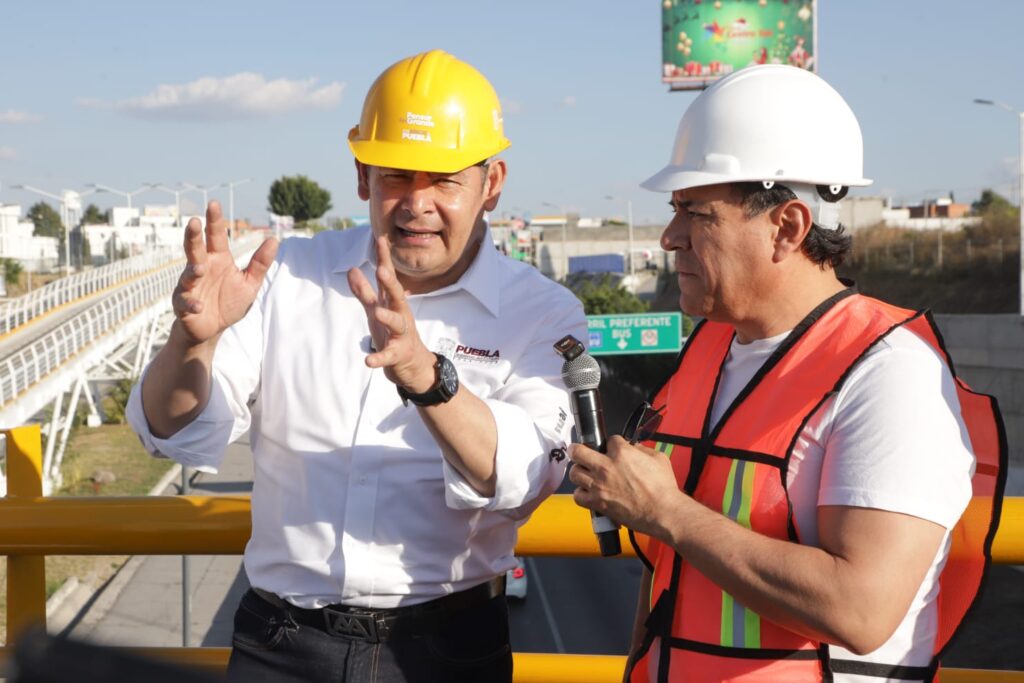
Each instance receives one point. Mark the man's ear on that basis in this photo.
(793, 222)
(363, 180)
(496, 171)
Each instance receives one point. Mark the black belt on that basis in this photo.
(376, 625)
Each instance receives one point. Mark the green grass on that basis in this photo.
(113, 448)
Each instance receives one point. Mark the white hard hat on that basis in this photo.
(772, 123)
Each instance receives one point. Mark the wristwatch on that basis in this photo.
(446, 386)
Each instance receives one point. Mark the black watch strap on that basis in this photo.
(446, 385)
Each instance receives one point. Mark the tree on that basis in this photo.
(299, 197)
(93, 216)
(603, 296)
(47, 221)
(12, 270)
(991, 202)
(999, 220)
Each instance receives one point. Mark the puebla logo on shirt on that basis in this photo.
(465, 353)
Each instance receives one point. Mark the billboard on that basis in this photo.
(703, 40)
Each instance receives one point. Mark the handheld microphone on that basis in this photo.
(581, 375)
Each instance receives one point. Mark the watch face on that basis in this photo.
(449, 378)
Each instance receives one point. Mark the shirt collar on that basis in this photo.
(480, 280)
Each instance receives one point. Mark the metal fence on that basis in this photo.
(18, 311)
(25, 368)
(31, 364)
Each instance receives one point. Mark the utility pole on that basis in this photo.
(1020, 184)
(231, 201)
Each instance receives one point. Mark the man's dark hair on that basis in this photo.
(824, 247)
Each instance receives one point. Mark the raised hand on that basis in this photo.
(398, 347)
(212, 293)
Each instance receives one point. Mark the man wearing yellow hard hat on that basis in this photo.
(401, 394)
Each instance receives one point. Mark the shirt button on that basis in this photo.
(362, 480)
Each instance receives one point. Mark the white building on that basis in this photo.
(133, 230)
(549, 221)
(857, 212)
(863, 212)
(18, 242)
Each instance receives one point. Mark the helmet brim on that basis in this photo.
(672, 178)
(427, 158)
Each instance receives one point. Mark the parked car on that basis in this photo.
(515, 581)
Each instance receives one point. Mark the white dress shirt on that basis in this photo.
(352, 499)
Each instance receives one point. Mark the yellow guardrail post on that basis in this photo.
(26, 574)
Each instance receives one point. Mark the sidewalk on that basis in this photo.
(141, 606)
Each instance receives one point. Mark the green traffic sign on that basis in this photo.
(624, 333)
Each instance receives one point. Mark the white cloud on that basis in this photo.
(568, 101)
(7, 153)
(241, 96)
(15, 116)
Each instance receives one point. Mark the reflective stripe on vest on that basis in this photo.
(698, 632)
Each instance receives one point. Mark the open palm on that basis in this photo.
(213, 293)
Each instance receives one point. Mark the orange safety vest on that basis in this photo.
(739, 468)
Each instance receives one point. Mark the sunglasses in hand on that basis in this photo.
(643, 424)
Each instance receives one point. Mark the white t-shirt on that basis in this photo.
(891, 439)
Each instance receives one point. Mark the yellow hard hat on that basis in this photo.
(431, 112)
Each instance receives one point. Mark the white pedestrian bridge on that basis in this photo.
(72, 336)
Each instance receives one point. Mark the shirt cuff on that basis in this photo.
(199, 444)
(525, 473)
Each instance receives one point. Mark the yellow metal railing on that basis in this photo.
(32, 526)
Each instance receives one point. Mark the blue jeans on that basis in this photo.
(470, 646)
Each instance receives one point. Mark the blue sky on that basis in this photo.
(81, 87)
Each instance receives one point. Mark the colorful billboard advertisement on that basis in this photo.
(703, 40)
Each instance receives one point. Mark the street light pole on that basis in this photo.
(565, 228)
(231, 200)
(64, 220)
(205, 190)
(1020, 186)
(127, 195)
(629, 231)
(629, 221)
(177, 197)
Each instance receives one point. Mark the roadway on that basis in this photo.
(576, 605)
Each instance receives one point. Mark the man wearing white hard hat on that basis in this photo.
(799, 508)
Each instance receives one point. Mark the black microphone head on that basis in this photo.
(582, 372)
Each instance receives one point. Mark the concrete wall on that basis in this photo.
(608, 239)
(862, 212)
(988, 351)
